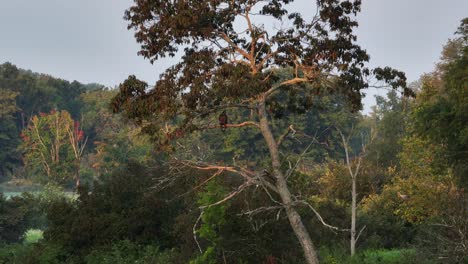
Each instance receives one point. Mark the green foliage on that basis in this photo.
(14, 215)
(24, 94)
(113, 143)
(15, 253)
(207, 79)
(209, 256)
(126, 252)
(391, 118)
(441, 112)
(40, 92)
(212, 221)
(395, 256)
(30, 254)
(410, 189)
(122, 207)
(9, 139)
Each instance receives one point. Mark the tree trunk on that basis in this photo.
(286, 197)
(77, 175)
(353, 217)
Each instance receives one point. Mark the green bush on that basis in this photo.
(395, 256)
(32, 253)
(14, 216)
(122, 207)
(124, 252)
(15, 253)
(340, 255)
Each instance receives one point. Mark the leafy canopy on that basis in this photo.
(231, 59)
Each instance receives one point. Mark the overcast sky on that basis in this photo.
(87, 40)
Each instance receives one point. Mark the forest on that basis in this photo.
(252, 148)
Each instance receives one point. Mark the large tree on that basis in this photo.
(53, 146)
(441, 110)
(231, 59)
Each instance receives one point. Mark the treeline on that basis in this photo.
(34, 147)
(145, 198)
(24, 94)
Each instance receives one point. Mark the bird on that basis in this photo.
(223, 121)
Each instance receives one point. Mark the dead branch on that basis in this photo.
(247, 174)
(243, 124)
(320, 218)
(229, 196)
(292, 169)
(195, 230)
(259, 210)
(292, 81)
(289, 130)
(360, 232)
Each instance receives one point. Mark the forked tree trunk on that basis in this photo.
(295, 220)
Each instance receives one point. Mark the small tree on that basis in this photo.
(53, 145)
(353, 164)
(212, 219)
(231, 60)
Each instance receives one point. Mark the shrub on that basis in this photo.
(122, 207)
(127, 252)
(14, 215)
(340, 255)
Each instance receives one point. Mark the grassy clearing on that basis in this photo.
(32, 236)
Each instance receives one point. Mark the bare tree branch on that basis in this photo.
(360, 232)
(195, 230)
(229, 196)
(260, 210)
(248, 175)
(276, 87)
(320, 218)
(243, 124)
(285, 134)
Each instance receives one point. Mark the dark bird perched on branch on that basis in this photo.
(223, 121)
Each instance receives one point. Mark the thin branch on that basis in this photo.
(260, 210)
(284, 83)
(217, 173)
(291, 170)
(195, 230)
(271, 187)
(253, 42)
(224, 36)
(360, 232)
(319, 216)
(345, 146)
(285, 134)
(229, 196)
(265, 59)
(243, 124)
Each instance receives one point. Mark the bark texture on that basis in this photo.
(295, 220)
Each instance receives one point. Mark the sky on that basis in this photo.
(88, 40)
